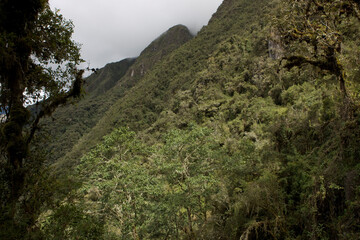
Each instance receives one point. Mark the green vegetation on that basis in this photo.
(243, 132)
(68, 123)
(103, 89)
(38, 61)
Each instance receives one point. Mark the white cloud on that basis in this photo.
(110, 30)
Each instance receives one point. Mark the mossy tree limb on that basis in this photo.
(314, 33)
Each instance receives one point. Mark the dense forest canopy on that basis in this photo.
(249, 130)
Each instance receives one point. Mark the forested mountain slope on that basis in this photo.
(102, 89)
(68, 123)
(250, 130)
(180, 70)
(106, 78)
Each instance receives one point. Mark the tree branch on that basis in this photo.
(297, 61)
(75, 92)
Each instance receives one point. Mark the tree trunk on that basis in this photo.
(16, 145)
(191, 231)
(342, 84)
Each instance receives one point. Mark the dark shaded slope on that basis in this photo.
(106, 78)
(68, 123)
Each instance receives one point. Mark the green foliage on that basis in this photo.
(70, 222)
(219, 140)
(59, 136)
(38, 62)
(154, 192)
(316, 32)
(106, 89)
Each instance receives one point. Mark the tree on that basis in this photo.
(188, 163)
(38, 63)
(313, 32)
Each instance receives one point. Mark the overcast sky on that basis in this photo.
(111, 30)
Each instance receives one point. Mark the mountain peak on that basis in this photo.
(167, 42)
(173, 37)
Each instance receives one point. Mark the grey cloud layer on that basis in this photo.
(110, 30)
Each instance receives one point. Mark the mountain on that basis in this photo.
(70, 122)
(103, 88)
(244, 131)
(142, 106)
(106, 78)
